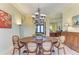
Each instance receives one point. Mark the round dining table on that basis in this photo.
(27, 39)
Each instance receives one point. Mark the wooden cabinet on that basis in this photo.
(55, 34)
(72, 40)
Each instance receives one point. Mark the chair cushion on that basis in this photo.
(32, 46)
(47, 45)
(16, 46)
(61, 45)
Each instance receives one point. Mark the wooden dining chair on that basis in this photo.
(54, 41)
(17, 45)
(47, 47)
(60, 44)
(32, 48)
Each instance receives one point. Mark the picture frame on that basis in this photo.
(5, 20)
(75, 20)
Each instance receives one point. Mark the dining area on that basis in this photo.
(39, 42)
(38, 32)
(33, 46)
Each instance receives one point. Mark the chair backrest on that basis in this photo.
(62, 39)
(57, 43)
(47, 47)
(15, 40)
(32, 47)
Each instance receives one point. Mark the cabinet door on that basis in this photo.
(67, 41)
(77, 43)
(73, 40)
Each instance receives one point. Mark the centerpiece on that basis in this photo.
(39, 36)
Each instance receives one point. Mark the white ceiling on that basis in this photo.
(48, 8)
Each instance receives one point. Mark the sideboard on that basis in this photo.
(72, 40)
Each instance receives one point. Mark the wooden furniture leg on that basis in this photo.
(19, 51)
(64, 50)
(58, 51)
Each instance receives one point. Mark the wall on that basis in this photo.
(47, 25)
(6, 34)
(68, 13)
(28, 27)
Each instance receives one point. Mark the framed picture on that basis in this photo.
(75, 20)
(5, 20)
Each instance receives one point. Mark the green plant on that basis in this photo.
(39, 34)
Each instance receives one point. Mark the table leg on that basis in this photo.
(39, 44)
(53, 48)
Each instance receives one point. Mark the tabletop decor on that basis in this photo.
(39, 36)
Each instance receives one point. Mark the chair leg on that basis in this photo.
(13, 51)
(19, 51)
(64, 50)
(58, 51)
(53, 49)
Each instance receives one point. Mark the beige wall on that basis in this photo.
(68, 13)
(48, 18)
(28, 28)
(6, 34)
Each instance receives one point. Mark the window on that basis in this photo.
(40, 28)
